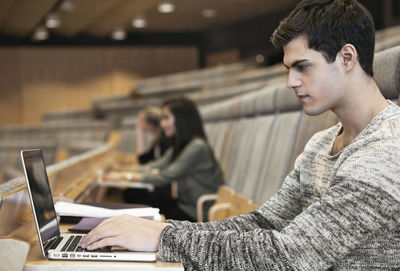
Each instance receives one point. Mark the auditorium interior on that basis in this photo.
(75, 74)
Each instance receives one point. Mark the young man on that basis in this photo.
(339, 208)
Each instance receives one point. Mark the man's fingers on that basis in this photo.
(111, 241)
(97, 234)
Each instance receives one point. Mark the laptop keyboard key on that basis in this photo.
(74, 243)
(79, 249)
(53, 243)
(67, 243)
(56, 243)
(105, 249)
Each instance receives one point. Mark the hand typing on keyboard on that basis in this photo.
(129, 232)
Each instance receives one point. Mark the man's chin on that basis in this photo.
(313, 111)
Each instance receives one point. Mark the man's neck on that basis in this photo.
(361, 106)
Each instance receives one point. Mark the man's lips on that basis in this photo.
(302, 97)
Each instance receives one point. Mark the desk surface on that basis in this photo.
(35, 261)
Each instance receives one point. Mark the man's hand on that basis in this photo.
(130, 232)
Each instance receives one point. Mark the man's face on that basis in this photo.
(316, 82)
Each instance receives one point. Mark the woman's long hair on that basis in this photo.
(188, 123)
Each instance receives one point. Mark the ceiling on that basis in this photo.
(98, 18)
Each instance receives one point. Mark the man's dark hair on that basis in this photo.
(328, 25)
(188, 123)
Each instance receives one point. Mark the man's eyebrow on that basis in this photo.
(295, 63)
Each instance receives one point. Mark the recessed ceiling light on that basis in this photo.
(67, 6)
(166, 6)
(139, 21)
(118, 34)
(41, 33)
(53, 20)
(260, 58)
(209, 13)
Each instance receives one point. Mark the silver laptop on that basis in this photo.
(56, 245)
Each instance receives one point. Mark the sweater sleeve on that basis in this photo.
(162, 162)
(363, 201)
(195, 152)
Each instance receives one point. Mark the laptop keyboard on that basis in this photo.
(72, 245)
(52, 244)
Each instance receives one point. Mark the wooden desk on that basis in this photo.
(35, 261)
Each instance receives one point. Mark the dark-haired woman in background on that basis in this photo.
(189, 161)
(149, 123)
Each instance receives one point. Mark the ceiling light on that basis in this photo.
(41, 33)
(209, 13)
(53, 20)
(118, 34)
(139, 21)
(260, 58)
(166, 6)
(67, 6)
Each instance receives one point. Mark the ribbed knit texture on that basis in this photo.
(333, 211)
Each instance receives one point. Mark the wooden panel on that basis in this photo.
(38, 80)
(224, 57)
(101, 16)
(25, 15)
(84, 14)
(119, 16)
(5, 6)
(188, 16)
(225, 194)
(229, 204)
(241, 205)
(10, 95)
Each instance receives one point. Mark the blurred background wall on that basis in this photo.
(39, 79)
(81, 59)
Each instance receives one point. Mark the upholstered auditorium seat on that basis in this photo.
(258, 135)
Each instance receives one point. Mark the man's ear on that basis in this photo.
(348, 57)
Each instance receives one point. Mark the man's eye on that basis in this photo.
(301, 68)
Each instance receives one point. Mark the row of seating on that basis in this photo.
(387, 38)
(57, 140)
(151, 91)
(257, 136)
(59, 132)
(201, 85)
(127, 124)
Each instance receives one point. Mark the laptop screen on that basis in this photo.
(40, 194)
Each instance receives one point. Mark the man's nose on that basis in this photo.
(292, 80)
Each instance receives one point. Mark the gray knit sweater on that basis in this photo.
(333, 211)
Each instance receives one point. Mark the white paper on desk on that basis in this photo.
(73, 209)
